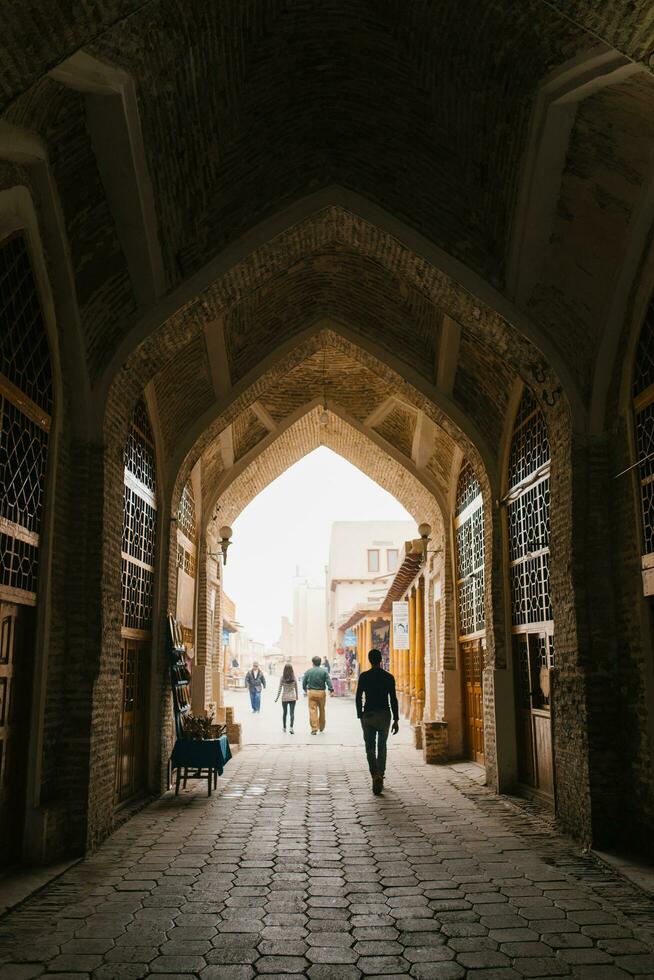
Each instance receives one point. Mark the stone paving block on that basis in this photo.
(333, 972)
(383, 965)
(268, 947)
(131, 954)
(541, 966)
(233, 955)
(75, 963)
(179, 963)
(20, 971)
(636, 963)
(233, 972)
(437, 971)
(601, 972)
(369, 933)
(331, 954)
(114, 971)
(428, 954)
(281, 964)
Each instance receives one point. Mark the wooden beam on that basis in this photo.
(214, 339)
(448, 355)
(226, 440)
(424, 440)
(264, 416)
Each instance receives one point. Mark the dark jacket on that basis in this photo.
(255, 683)
(378, 686)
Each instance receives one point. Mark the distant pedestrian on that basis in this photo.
(316, 682)
(255, 681)
(289, 694)
(375, 700)
(326, 664)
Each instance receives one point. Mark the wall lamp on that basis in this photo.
(225, 541)
(424, 530)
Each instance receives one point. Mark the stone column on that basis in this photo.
(202, 687)
(411, 687)
(391, 652)
(420, 652)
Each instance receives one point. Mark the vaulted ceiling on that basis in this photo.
(461, 193)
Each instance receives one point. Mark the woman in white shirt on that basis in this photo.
(289, 694)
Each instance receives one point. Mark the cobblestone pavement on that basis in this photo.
(295, 869)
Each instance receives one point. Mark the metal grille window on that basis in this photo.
(529, 516)
(186, 513)
(469, 532)
(26, 401)
(139, 523)
(643, 395)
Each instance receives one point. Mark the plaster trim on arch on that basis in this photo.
(552, 120)
(474, 286)
(112, 117)
(320, 331)
(25, 148)
(336, 410)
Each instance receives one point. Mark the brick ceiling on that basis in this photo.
(420, 110)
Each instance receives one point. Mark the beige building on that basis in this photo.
(309, 627)
(363, 558)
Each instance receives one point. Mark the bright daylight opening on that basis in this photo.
(312, 553)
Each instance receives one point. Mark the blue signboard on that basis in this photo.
(349, 638)
(225, 638)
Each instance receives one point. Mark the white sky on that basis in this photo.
(287, 526)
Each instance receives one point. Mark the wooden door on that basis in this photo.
(16, 669)
(131, 761)
(471, 652)
(533, 654)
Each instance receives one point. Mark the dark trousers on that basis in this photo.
(376, 725)
(290, 706)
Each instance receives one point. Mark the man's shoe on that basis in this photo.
(377, 784)
(292, 732)
(314, 733)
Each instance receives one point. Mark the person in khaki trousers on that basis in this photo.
(316, 682)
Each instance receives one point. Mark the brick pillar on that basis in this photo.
(434, 742)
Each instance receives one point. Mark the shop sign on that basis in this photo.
(401, 625)
(349, 638)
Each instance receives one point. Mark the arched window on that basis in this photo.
(469, 532)
(528, 509)
(26, 402)
(469, 525)
(186, 512)
(643, 396)
(26, 406)
(186, 527)
(138, 560)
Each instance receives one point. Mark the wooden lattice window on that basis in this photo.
(469, 532)
(139, 523)
(643, 396)
(186, 513)
(528, 511)
(186, 560)
(26, 404)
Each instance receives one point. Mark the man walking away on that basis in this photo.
(316, 682)
(375, 700)
(255, 681)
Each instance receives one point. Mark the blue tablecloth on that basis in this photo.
(210, 753)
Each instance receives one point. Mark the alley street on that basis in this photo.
(294, 869)
(265, 728)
